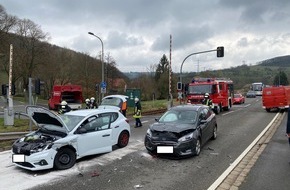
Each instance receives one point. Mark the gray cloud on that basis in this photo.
(136, 33)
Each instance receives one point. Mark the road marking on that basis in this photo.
(237, 161)
(228, 113)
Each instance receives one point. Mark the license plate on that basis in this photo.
(18, 158)
(164, 149)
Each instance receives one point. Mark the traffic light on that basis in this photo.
(220, 51)
(97, 88)
(13, 90)
(37, 86)
(179, 86)
(4, 90)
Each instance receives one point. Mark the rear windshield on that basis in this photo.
(112, 102)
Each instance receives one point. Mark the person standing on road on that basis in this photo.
(207, 101)
(88, 103)
(288, 127)
(137, 113)
(64, 107)
(93, 103)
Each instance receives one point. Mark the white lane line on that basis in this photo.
(237, 161)
(228, 113)
(236, 110)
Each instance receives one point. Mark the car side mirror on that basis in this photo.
(156, 119)
(81, 130)
(202, 121)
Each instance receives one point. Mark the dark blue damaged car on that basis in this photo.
(182, 131)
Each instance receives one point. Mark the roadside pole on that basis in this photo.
(9, 113)
(30, 99)
(220, 53)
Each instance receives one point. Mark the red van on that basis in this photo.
(276, 97)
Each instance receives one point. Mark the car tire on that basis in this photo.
(214, 133)
(197, 147)
(64, 159)
(123, 139)
(217, 110)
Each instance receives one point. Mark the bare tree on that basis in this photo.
(29, 48)
(7, 22)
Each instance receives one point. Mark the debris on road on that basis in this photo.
(95, 173)
(138, 186)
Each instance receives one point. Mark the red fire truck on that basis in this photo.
(72, 94)
(221, 92)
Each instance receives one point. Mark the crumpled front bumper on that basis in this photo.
(179, 148)
(37, 161)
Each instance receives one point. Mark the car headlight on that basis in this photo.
(186, 137)
(41, 147)
(149, 133)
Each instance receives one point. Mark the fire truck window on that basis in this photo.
(214, 89)
(221, 86)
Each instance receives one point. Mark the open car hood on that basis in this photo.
(43, 116)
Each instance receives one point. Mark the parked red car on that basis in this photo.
(239, 99)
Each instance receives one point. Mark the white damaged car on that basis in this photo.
(62, 139)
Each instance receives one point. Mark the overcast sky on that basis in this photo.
(136, 33)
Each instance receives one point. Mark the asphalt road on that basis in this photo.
(133, 168)
(272, 169)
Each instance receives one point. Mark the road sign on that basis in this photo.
(103, 90)
(179, 95)
(103, 84)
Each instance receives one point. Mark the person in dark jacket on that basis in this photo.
(288, 126)
(94, 104)
(207, 101)
(137, 113)
(64, 108)
(88, 103)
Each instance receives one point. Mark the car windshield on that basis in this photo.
(200, 89)
(71, 121)
(237, 95)
(111, 102)
(184, 116)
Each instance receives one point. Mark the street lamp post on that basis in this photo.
(102, 59)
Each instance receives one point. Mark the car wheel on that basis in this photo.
(197, 147)
(64, 159)
(214, 133)
(123, 139)
(217, 109)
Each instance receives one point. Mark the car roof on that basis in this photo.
(193, 107)
(123, 97)
(86, 112)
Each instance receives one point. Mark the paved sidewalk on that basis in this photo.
(272, 169)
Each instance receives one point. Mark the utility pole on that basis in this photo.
(9, 113)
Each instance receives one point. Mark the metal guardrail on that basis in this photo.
(17, 114)
(11, 136)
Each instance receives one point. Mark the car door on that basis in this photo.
(97, 137)
(206, 131)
